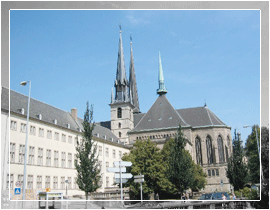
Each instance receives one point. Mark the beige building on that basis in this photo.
(51, 151)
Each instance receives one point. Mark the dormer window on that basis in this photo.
(120, 134)
(40, 117)
(119, 112)
(68, 126)
(22, 111)
(55, 121)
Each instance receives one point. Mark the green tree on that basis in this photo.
(199, 181)
(253, 155)
(180, 170)
(86, 161)
(237, 169)
(146, 160)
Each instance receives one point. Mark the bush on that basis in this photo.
(248, 193)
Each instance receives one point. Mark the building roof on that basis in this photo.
(49, 114)
(193, 117)
(160, 116)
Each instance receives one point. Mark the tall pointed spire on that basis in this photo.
(121, 82)
(161, 90)
(132, 82)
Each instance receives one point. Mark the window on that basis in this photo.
(23, 127)
(56, 136)
(120, 154)
(69, 183)
(41, 132)
(228, 141)
(69, 160)
(11, 181)
(217, 172)
(107, 164)
(30, 182)
(55, 182)
(210, 151)
(226, 152)
(100, 165)
(107, 152)
(63, 158)
(31, 155)
(62, 182)
(209, 172)
(213, 172)
(220, 149)
(119, 125)
(49, 134)
(107, 181)
(40, 157)
(48, 157)
(113, 153)
(13, 125)
(198, 150)
(70, 139)
(119, 112)
(100, 150)
(47, 182)
(7, 186)
(21, 153)
(20, 179)
(63, 138)
(56, 156)
(120, 134)
(32, 130)
(12, 152)
(39, 182)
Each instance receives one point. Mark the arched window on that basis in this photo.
(119, 125)
(119, 112)
(120, 134)
(198, 150)
(210, 150)
(227, 155)
(220, 149)
(228, 141)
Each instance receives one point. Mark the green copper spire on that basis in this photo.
(161, 90)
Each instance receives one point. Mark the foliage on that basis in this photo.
(237, 169)
(86, 161)
(146, 160)
(253, 155)
(199, 181)
(247, 193)
(180, 170)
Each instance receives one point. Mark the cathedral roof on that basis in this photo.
(160, 116)
(163, 116)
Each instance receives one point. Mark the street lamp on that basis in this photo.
(25, 147)
(258, 145)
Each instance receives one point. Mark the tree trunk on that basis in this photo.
(86, 198)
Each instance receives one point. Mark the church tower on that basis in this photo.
(122, 103)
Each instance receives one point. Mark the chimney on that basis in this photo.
(74, 114)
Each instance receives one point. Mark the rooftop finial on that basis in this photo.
(130, 38)
(120, 26)
(161, 90)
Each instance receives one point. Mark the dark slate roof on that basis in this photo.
(160, 116)
(49, 113)
(200, 116)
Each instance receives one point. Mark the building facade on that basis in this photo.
(52, 139)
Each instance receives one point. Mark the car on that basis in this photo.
(214, 196)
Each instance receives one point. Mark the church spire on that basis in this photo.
(161, 90)
(132, 81)
(121, 83)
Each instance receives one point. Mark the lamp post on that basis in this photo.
(258, 145)
(26, 140)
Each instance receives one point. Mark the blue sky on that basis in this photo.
(210, 56)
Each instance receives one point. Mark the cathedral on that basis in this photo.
(210, 142)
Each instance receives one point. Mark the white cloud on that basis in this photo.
(137, 21)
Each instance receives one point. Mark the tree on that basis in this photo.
(146, 160)
(179, 170)
(253, 155)
(86, 161)
(199, 181)
(237, 169)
